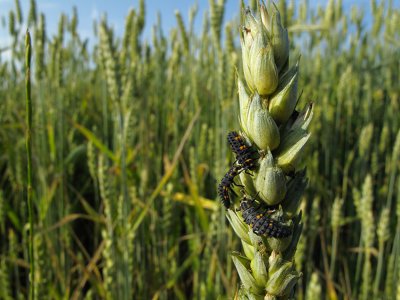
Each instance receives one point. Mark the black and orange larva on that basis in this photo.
(225, 186)
(261, 221)
(244, 153)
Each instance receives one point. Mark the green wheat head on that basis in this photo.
(271, 125)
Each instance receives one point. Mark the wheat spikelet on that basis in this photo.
(41, 268)
(368, 236)
(365, 140)
(11, 24)
(383, 230)
(336, 213)
(314, 291)
(5, 285)
(110, 63)
(18, 12)
(32, 15)
(40, 41)
(109, 264)
(92, 160)
(183, 32)
(141, 16)
(216, 16)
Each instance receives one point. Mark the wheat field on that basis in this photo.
(129, 145)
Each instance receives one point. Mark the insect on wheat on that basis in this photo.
(260, 220)
(245, 155)
(225, 186)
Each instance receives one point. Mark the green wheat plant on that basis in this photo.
(270, 124)
(28, 57)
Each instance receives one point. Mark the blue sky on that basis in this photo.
(117, 10)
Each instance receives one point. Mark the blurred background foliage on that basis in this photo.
(129, 146)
